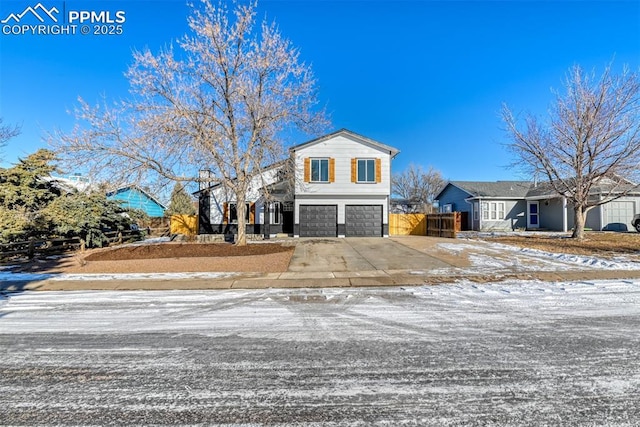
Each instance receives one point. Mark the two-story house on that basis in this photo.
(341, 188)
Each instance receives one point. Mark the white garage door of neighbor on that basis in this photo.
(619, 216)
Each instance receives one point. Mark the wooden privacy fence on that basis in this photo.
(437, 225)
(445, 224)
(407, 224)
(184, 224)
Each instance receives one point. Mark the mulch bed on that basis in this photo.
(186, 250)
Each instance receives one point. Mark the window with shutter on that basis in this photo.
(366, 170)
(320, 170)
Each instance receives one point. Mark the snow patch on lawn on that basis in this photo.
(489, 255)
(151, 241)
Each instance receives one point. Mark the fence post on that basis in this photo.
(31, 250)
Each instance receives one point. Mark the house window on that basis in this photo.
(233, 213)
(275, 212)
(493, 211)
(319, 170)
(366, 170)
(475, 211)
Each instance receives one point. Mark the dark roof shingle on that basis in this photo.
(498, 189)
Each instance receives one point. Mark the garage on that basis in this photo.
(363, 220)
(619, 215)
(318, 220)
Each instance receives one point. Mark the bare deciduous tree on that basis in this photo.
(221, 102)
(7, 132)
(417, 186)
(590, 143)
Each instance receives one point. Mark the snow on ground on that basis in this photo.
(516, 353)
(274, 312)
(150, 241)
(491, 257)
(19, 277)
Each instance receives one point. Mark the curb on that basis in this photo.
(356, 280)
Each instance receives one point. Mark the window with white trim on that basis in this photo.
(275, 213)
(319, 170)
(493, 211)
(366, 170)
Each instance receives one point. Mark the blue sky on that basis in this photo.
(427, 77)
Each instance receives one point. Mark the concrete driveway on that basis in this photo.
(359, 254)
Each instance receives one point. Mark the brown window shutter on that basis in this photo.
(354, 170)
(332, 170)
(307, 169)
(252, 213)
(378, 170)
(225, 212)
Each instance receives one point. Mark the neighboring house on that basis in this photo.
(72, 183)
(134, 197)
(520, 205)
(402, 206)
(341, 187)
(268, 192)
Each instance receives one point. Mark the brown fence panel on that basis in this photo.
(407, 224)
(444, 224)
(30, 248)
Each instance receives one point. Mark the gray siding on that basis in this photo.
(456, 197)
(517, 214)
(515, 217)
(593, 219)
(551, 214)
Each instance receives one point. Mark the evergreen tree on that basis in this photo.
(181, 202)
(32, 204)
(89, 216)
(25, 190)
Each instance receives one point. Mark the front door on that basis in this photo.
(533, 217)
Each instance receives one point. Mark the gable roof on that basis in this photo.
(262, 170)
(497, 189)
(602, 186)
(351, 135)
(527, 189)
(134, 187)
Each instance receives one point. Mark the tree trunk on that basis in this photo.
(579, 219)
(241, 209)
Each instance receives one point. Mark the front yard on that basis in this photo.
(598, 243)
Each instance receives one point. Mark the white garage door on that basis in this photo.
(619, 216)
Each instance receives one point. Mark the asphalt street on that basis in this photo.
(525, 353)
